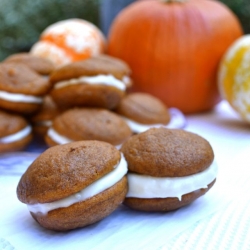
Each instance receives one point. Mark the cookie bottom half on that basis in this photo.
(16, 145)
(165, 204)
(86, 212)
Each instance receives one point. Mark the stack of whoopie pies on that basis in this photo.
(106, 146)
(84, 100)
(23, 85)
(78, 183)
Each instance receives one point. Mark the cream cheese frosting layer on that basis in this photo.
(93, 189)
(56, 137)
(108, 80)
(20, 97)
(127, 81)
(177, 120)
(60, 139)
(142, 186)
(137, 127)
(17, 136)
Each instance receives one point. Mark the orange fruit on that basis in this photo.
(234, 76)
(68, 41)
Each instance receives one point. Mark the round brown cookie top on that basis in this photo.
(66, 169)
(96, 65)
(19, 78)
(92, 124)
(143, 108)
(11, 123)
(87, 95)
(38, 64)
(163, 152)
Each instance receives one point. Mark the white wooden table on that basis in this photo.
(218, 220)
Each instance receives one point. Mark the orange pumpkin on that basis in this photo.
(68, 41)
(174, 48)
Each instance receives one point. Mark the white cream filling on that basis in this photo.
(93, 189)
(142, 186)
(108, 80)
(60, 139)
(177, 120)
(17, 136)
(126, 80)
(20, 97)
(137, 127)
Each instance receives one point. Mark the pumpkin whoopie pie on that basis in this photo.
(41, 65)
(100, 81)
(15, 132)
(74, 185)
(88, 124)
(21, 88)
(142, 111)
(168, 169)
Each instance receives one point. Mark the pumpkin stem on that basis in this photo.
(173, 1)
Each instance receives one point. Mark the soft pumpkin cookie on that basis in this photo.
(168, 169)
(142, 111)
(88, 124)
(21, 88)
(100, 81)
(74, 185)
(40, 65)
(15, 132)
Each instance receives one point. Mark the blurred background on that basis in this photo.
(22, 21)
